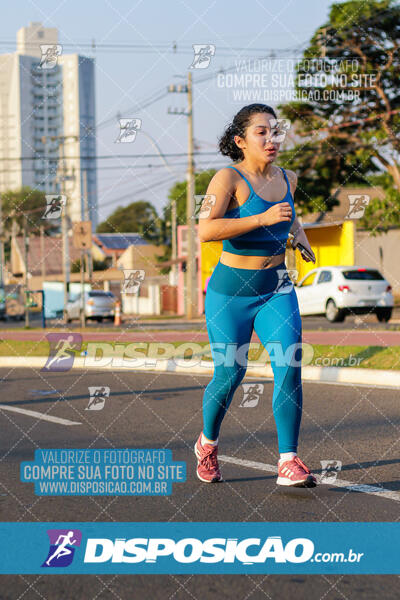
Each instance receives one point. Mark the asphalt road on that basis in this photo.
(358, 426)
(335, 337)
(141, 322)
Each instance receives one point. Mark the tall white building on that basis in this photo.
(41, 99)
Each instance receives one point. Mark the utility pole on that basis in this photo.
(42, 250)
(174, 246)
(82, 240)
(61, 178)
(82, 311)
(174, 267)
(26, 246)
(1, 244)
(64, 229)
(86, 217)
(191, 271)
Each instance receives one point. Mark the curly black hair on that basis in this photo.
(241, 121)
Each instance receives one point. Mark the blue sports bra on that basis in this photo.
(265, 240)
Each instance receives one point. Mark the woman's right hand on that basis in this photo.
(281, 211)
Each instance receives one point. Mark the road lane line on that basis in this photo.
(249, 463)
(38, 415)
(264, 379)
(372, 490)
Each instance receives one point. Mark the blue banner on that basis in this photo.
(200, 547)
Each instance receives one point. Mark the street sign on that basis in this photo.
(82, 235)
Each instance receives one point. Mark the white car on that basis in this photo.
(339, 291)
(98, 305)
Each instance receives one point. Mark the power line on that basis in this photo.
(161, 95)
(149, 49)
(140, 191)
(104, 157)
(113, 168)
(136, 108)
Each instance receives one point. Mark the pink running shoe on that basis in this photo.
(295, 473)
(207, 462)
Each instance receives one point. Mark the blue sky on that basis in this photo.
(129, 77)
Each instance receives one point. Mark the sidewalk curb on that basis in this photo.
(373, 377)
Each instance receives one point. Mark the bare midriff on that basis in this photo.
(251, 262)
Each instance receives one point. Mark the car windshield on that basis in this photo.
(100, 294)
(363, 274)
(308, 280)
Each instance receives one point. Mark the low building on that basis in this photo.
(338, 239)
(114, 245)
(123, 252)
(44, 257)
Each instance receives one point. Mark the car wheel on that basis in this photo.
(384, 314)
(333, 313)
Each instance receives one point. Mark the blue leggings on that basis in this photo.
(238, 300)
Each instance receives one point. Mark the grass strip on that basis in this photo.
(365, 357)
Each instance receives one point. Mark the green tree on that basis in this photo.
(138, 217)
(382, 214)
(178, 193)
(341, 140)
(30, 203)
(27, 202)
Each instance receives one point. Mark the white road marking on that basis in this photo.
(249, 463)
(271, 380)
(341, 483)
(43, 392)
(38, 415)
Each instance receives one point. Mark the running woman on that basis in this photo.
(253, 214)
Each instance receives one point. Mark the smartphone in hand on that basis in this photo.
(304, 251)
